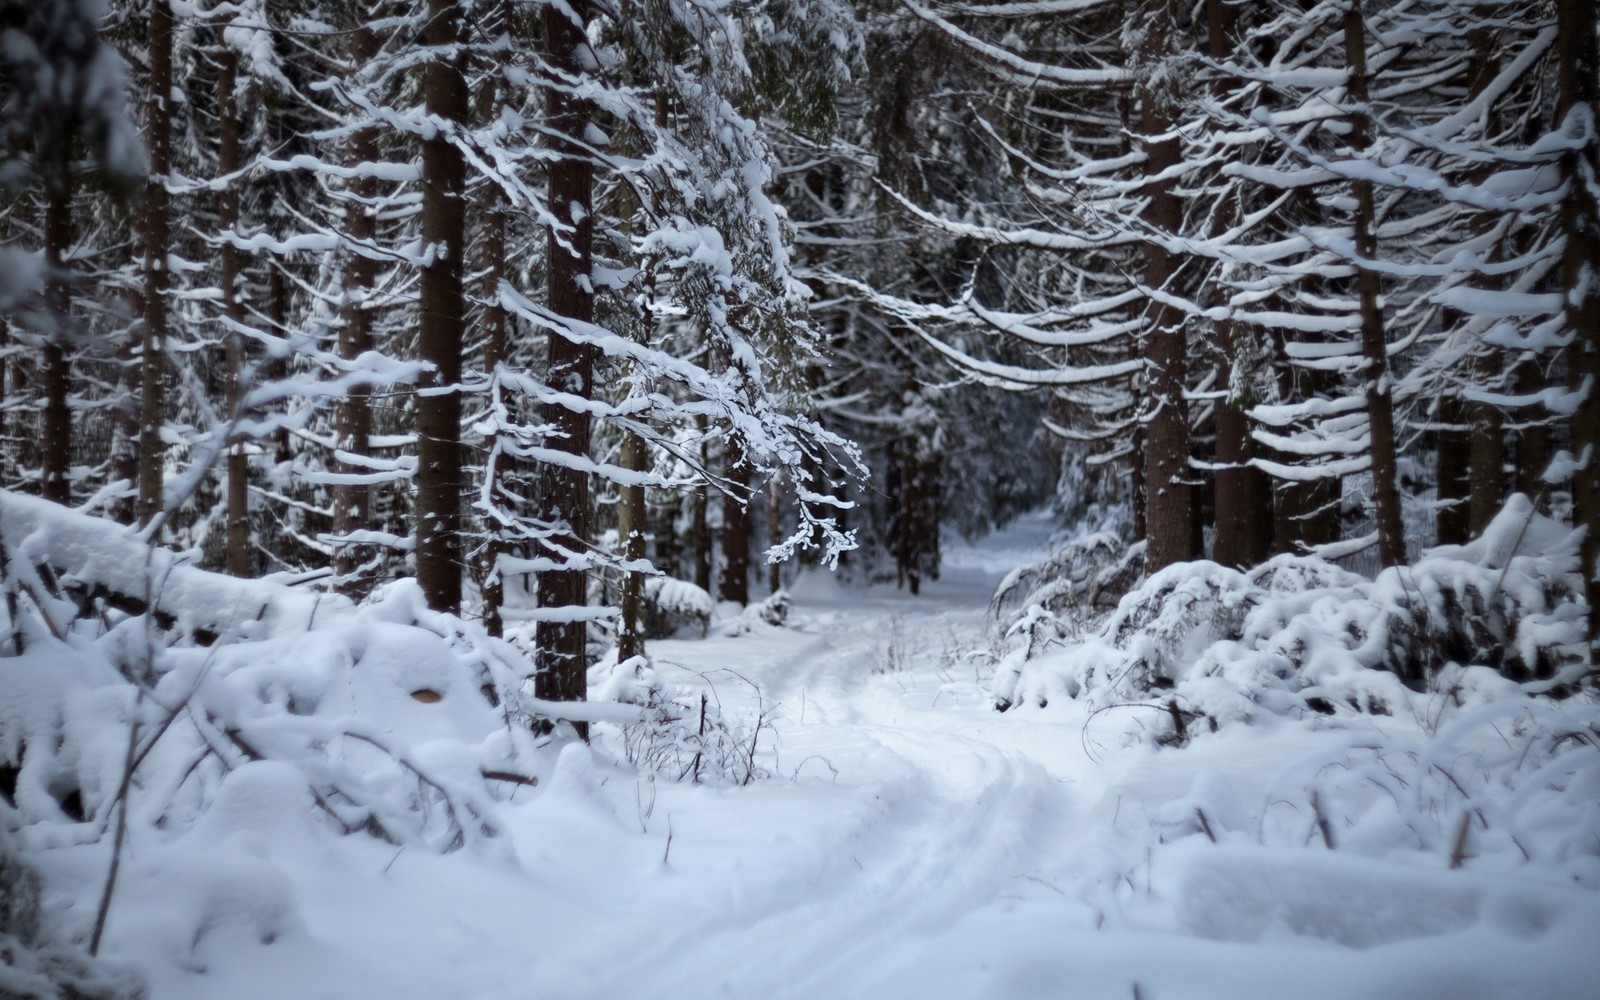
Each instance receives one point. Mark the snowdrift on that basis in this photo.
(217, 721)
(1298, 635)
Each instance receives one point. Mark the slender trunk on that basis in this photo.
(5, 393)
(632, 516)
(699, 526)
(125, 434)
(496, 327)
(278, 317)
(735, 582)
(56, 439)
(1452, 522)
(564, 493)
(352, 502)
(774, 531)
(1578, 113)
(239, 562)
(1374, 342)
(1485, 434)
(157, 246)
(1244, 493)
(631, 527)
(1533, 437)
(1169, 498)
(441, 302)
(1487, 488)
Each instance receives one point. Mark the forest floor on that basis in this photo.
(909, 842)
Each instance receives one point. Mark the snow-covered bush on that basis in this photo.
(1300, 635)
(674, 608)
(1079, 579)
(35, 962)
(682, 735)
(1497, 788)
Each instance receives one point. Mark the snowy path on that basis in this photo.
(912, 843)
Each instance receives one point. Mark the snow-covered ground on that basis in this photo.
(909, 842)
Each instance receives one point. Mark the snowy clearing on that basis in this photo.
(911, 841)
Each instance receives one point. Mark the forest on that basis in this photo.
(470, 425)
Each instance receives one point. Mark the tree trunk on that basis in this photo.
(352, 502)
(1169, 498)
(56, 440)
(1533, 437)
(157, 246)
(1577, 113)
(734, 584)
(631, 528)
(774, 531)
(699, 526)
(1244, 493)
(1374, 342)
(1452, 523)
(564, 494)
(1487, 490)
(239, 562)
(496, 327)
(442, 304)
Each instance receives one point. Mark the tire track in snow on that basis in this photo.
(953, 823)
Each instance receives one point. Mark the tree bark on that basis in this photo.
(1243, 492)
(439, 486)
(1578, 113)
(352, 502)
(734, 584)
(1452, 523)
(1487, 490)
(774, 530)
(1374, 342)
(564, 494)
(699, 526)
(56, 439)
(238, 562)
(1169, 499)
(157, 245)
(631, 527)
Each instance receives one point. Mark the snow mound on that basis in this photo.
(1299, 635)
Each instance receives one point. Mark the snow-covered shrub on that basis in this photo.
(36, 961)
(682, 735)
(1079, 579)
(399, 721)
(674, 608)
(1301, 635)
(1495, 788)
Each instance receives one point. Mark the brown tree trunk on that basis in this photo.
(352, 502)
(1169, 498)
(699, 526)
(56, 439)
(564, 494)
(1487, 490)
(774, 531)
(239, 562)
(157, 246)
(1533, 438)
(734, 584)
(1452, 523)
(1374, 342)
(1244, 493)
(439, 486)
(631, 528)
(1579, 90)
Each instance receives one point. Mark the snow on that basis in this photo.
(906, 839)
